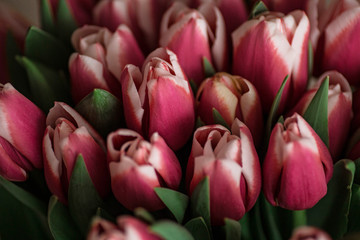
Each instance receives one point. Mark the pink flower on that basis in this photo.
(159, 99)
(68, 135)
(127, 228)
(233, 97)
(22, 126)
(138, 166)
(100, 54)
(268, 48)
(193, 35)
(309, 233)
(297, 166)
(339, 109)
(230, 161)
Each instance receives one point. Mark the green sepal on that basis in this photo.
(62, 226)
(218, 119)
(176, 202)
(65, 23)
(199, 123)
(258, 8)
(331, 212)
(316, 113)
(209, 70)
(232, 229)
(193, 86)
(102, 110)
(46, 84)
(83, 198)
(198, 229)
(168, 230)
(200, 201)
(45, 48)
(47, 17)
(143, 214)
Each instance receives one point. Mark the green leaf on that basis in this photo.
(46, 84)
(200, 201)
(258, 8)
(209, 70)
(310, 59)
(354, 212)
(47, 18)
(269, 216)
(84, 199)
(218, 119)
(274, 108)
(24, 197)
(102, 213)
(317, 112)
(256, 225)
(61, 224)
(198, 229)
(171, 231)
(245, 227)
(176, 202)
(43, 47)
(18, 220)
(17, 73)
(144, 215)
(357, 171)
(331, 212)
(66, 23)
(102, 110)
(232, 229)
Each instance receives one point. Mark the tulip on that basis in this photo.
(233, 97)
(138, 166)
(127, 228)
(269, 47)
(100, 53)
(297, 166)
(309, 233)
(159, 99)
(230, 161)
(339, 109)
(22, 126)
(67, 135)
(335, 35)
(183, 28)
(10, 21)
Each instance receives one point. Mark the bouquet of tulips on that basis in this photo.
(180, 119)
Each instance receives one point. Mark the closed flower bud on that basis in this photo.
(230, 161)
(22, 126)
(309, 233)
(297, 166)
(66, 136)
(138, 166)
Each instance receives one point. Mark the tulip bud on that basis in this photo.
(99, 51)
(183, 28)
(339, 109)
(22, 126)
(159, 99)
(230, 161)
(270, 47)
(309, 233)
(297, 166)
(233, 97)
(127, 228)
(66, 136)
(335, 36)
(138, 166)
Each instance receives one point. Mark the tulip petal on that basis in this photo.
(10, 168)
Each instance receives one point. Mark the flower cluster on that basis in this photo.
(203, 113)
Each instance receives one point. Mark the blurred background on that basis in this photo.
(28, 8)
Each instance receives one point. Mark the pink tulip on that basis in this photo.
(138, 166)
(285, 6)
(297, 166)
(335, 35)
(339, 109)
(230, 161)
(22, 126)
(309, 233)
(269, 47)
(233, 97)
(99, 55)
(66, 136)
(193, 35)
(159, 99)
(126, 228)
(10, 21)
